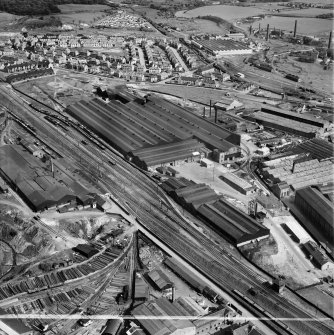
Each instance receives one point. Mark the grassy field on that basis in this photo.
(186, 25)
(7, 20)
(84, 13)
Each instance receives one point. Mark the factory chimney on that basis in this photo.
(216, 115)
(52, 168)
(259, 27)
(210, 108)
(173, 293)
(329, 40)
(295, 30)
(250, 30)
(267, 35)
(204, 112)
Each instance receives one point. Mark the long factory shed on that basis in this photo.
(306, 119)
(225, 218)
(138, 129)
(239, 227)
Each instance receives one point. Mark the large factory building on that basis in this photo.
(303, 125)
(317, 208)
(39, 186)
(155, 132)
(226, 219)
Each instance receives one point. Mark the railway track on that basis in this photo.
(215, 263)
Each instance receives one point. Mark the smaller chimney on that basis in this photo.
(216, 115)
(173, 293)
(267, 35)
(204, 112)
(330, 40)
(210, 108)
(295, 30)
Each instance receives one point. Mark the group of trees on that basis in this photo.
(39, 7)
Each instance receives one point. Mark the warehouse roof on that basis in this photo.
(313, 250)
(318, 202)
(283, 121)
(237, 180)
(317, 147)
(34, 179)
(188, 306)
(289, 114)
(112, 326)
(196, 195)
(133, 126)
(168, 152)
(160, 279)
(161, 307)
(223, 44)
(141, 289)
(239, 226)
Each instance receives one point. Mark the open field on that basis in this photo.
(186, 25)
(67, 87)
(7, 20)
(84, 13)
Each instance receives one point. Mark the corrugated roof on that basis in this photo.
(318, 202)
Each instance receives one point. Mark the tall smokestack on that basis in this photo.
(52, 168)
(329, 40)
(173, 293)
(204, 112)
(210, 108)
(259, 27)
(295, 31)
(250, 30)
(267, 35)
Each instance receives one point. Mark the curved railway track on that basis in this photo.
(213, 261)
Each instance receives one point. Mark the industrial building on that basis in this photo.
(112, 327)
(194, 196)
(298, 170)
(142, 292)
(224, 46)
(160, 280)
(85, 250)
(234, 224)
(238, 183)
(13, 326)
(41, 185)
(299, 117)
(190, 150)
(162, 307)
(156, 132)
(284, 124)
(317, 148)
(318, 257)
(226, 219)
(315, 206)
(296, 123)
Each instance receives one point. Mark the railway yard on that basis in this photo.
(172, 204)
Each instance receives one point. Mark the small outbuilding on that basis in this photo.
(85, 250)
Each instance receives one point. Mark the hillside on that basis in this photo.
(39, 7)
